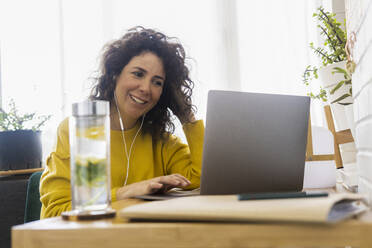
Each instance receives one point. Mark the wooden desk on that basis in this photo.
(57, 233)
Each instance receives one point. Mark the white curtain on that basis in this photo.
(50, 48)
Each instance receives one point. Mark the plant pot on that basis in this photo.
(329, 81)
(327, 78)
(20, 149)
(342, 115)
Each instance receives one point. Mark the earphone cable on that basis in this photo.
(123, 136)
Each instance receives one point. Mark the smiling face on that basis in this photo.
(139, 87)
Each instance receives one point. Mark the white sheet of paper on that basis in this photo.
(322, 140)
(319, 174)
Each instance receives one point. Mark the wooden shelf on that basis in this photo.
(18, 172)
(339, 137)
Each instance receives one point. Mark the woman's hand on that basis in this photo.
(154, 185)
(189, 119)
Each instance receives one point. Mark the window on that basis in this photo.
(50, 48)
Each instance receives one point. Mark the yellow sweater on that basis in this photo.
(149, 159)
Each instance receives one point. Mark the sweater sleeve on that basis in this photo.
(186, 159)
(55, 189)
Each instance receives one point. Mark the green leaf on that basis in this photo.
(339, 70)
(348, 82)
(342, 71)
(13, 120)
(344, 103)
(341, 98)
(337, 87)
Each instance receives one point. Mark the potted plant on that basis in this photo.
(334, 74)
(20, 139)
(332, 71)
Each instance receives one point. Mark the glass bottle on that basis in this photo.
(90, 156)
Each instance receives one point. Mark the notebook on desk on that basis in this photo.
(253, 142)
(228, 208)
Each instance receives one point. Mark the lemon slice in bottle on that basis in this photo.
(97, 133)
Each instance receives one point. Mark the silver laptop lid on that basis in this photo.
(254, 142)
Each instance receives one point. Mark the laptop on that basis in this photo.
(254, 143)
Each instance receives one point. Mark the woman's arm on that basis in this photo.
(55, 193)
(182, 165)
(186, 159)
(55, 190)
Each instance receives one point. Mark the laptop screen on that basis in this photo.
(254, 142)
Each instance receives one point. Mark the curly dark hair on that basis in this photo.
(178, 86)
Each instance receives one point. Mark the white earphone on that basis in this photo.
(123, 136)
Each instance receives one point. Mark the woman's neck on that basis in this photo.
(115, 120)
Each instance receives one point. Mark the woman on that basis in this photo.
(143, 75)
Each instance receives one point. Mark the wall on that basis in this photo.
(338, 7)
(359, 21)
